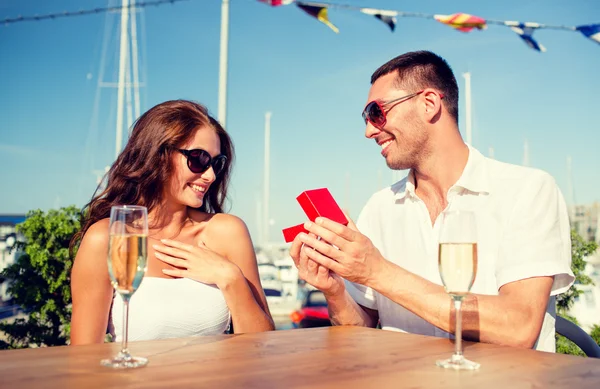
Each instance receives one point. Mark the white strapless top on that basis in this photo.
(172, 308)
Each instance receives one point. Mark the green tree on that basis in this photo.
(595, 334)
(40, 280)
(580, 249)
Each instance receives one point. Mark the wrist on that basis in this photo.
(229, 277)
(335, 293)
(378, 274)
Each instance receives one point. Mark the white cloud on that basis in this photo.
(17, 150)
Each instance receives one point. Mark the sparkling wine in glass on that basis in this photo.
(127, 258)
(458, 269)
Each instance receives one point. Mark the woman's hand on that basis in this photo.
(196, 262)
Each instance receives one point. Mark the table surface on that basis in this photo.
(329, 357)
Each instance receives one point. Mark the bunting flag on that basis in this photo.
(388, 17)
(319, 12)
(591, 31)
(462, 22)
(525, 31)
(276, 3)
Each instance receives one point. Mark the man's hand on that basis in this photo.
(316, 275)
(343, 250)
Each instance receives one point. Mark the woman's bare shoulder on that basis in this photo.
(98, 232)
(94, 239)
(227, 226)
(224, 233)
(228, 235)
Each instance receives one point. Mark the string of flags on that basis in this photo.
(97, 10)
(460, 21)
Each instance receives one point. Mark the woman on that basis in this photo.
(202, 271)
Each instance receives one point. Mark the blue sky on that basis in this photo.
(314, 82)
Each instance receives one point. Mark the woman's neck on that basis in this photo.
(167, 221)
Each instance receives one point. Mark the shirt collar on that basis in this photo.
(474, 177)
(405, 188)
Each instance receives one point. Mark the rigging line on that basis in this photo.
(37, 18)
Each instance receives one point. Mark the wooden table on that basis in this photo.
(333, 357)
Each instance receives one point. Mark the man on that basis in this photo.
(389, 260)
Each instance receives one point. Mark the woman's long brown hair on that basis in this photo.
(141, 171)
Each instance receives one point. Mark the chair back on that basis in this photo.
(578, 336)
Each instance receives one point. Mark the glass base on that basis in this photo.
(458, 362)
(124, 361)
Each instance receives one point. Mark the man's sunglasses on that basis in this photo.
(375, 111)
(199, 161)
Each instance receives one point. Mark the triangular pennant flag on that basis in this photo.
(276, 3)
(525, 31)
(318, 12)
(388, 17)
(462, 22)
(389, 20)
(591, 31)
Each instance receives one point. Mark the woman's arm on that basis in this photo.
(223, 256)
(243, 292)
(90, 287)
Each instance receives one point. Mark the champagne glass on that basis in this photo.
(458, 268)
(127, 257)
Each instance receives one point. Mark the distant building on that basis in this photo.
(8, 238)
(586, 221)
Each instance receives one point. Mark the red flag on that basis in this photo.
(276, 3)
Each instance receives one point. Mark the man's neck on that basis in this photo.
(442, 169)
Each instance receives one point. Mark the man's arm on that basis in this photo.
(514, 317)
(533, 262)
(343, 310)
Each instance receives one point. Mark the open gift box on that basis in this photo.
(315, 203)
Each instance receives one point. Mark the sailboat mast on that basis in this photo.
(266, 182)
(468, 123)
(222, 113)
(122, 69)
(134, 58)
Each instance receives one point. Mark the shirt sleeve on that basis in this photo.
(538, 238)
(363, 295)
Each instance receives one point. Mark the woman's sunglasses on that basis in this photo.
(199, 161)
(374, 112)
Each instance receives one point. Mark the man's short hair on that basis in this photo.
(417, 70)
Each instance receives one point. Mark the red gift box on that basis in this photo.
(290, 233)
(315, 203)
(319, 202)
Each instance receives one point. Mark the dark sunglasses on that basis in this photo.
(374, 112)
(199, 161)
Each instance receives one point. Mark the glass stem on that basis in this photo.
(124, 350)
(458, 331)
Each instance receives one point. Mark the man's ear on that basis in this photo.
(433, 105)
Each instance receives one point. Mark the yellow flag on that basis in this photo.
(320, 13)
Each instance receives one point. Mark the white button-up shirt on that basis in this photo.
(522, 230)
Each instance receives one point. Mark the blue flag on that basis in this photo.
(525, 31)
(591, 31)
